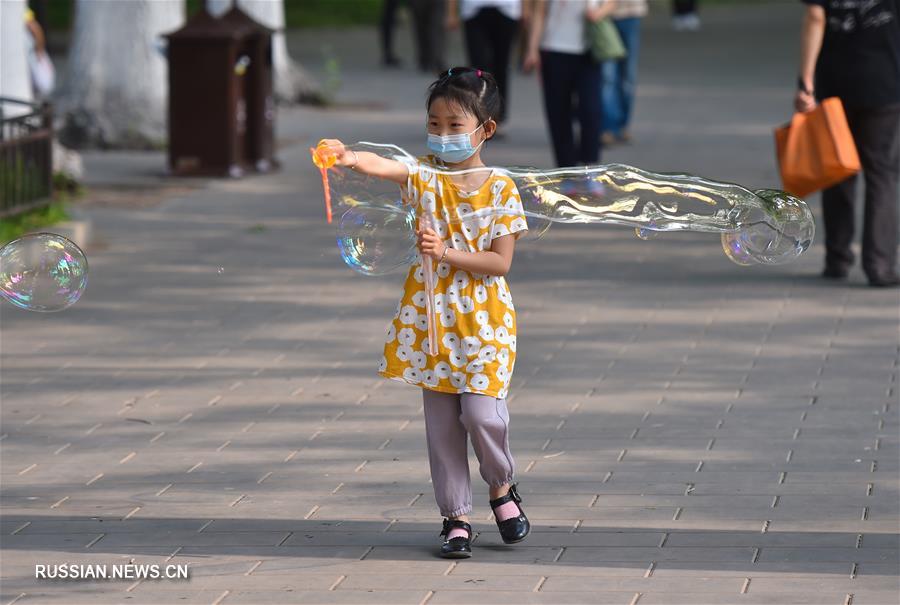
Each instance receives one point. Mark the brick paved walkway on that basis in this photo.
(685, 430)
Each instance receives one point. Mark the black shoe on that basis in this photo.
(458, 547)
(514, 529)
(885, 281)
(835, 273)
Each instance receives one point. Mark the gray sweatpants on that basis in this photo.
(449, 417)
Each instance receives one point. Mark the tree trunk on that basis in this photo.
(15, 81)
(292, 83)
(115, 90)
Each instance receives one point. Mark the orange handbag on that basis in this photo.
(816, 149)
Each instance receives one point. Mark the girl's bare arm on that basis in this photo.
(366, 162)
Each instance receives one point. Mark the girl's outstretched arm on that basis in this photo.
(366, 162)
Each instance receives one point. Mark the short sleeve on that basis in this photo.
(410, 190)
(510, 220)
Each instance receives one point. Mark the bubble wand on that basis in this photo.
(426, 222)
(324, 159)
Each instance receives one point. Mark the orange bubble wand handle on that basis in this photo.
(428, 276)
(324, 160)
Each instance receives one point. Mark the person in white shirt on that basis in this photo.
(489, 27)
(557, 46)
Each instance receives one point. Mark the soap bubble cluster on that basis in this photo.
(767, 227)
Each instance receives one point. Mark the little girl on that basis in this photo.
(465, 384)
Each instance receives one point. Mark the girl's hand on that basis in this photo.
(430, 243)
(342, 155)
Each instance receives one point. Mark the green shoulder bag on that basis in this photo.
(604, 41)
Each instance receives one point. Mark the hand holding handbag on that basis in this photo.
(816, 149)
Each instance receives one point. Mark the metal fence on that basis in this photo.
(26, 156)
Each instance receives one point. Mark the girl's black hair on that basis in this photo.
(474, 90)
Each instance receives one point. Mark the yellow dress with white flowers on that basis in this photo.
(476, 319)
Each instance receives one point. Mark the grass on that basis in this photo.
(64, 189)
(297, 13)
(315, 13)
(15, 226)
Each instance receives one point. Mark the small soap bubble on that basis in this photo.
(42, 272)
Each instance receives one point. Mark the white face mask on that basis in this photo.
(454, 148)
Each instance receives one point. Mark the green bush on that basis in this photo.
(15, 226)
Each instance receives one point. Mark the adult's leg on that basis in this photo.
(420, 13)
(558, 74)
(877, 136)
(684, 7)
(477, 34)
(611, 97)
(487, 421)
(837, 214)
(501, 48)
(448, 454)
(589, 110)
(630, 31)
(388, 20)
(436, 34)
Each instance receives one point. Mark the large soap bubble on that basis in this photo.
(763, 227)
(42, 272)
(375, 240)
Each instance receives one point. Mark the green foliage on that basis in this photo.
(312, 13)
(302, 13)
(20, 180)
(315, 13)
(15, 226)
(297, 13)
(332, 74)
(64, 185)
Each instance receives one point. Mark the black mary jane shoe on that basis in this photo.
(514, 529)
(460, 546)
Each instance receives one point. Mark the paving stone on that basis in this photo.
(680, 425)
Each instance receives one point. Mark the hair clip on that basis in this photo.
(478, 73)
(449, 72)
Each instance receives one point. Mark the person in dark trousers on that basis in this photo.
(557, 46)
(489, 27)
(428, 17)
(850, 49)
(388, 21)
(684, 16)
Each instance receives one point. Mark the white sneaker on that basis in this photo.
(691, 22)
